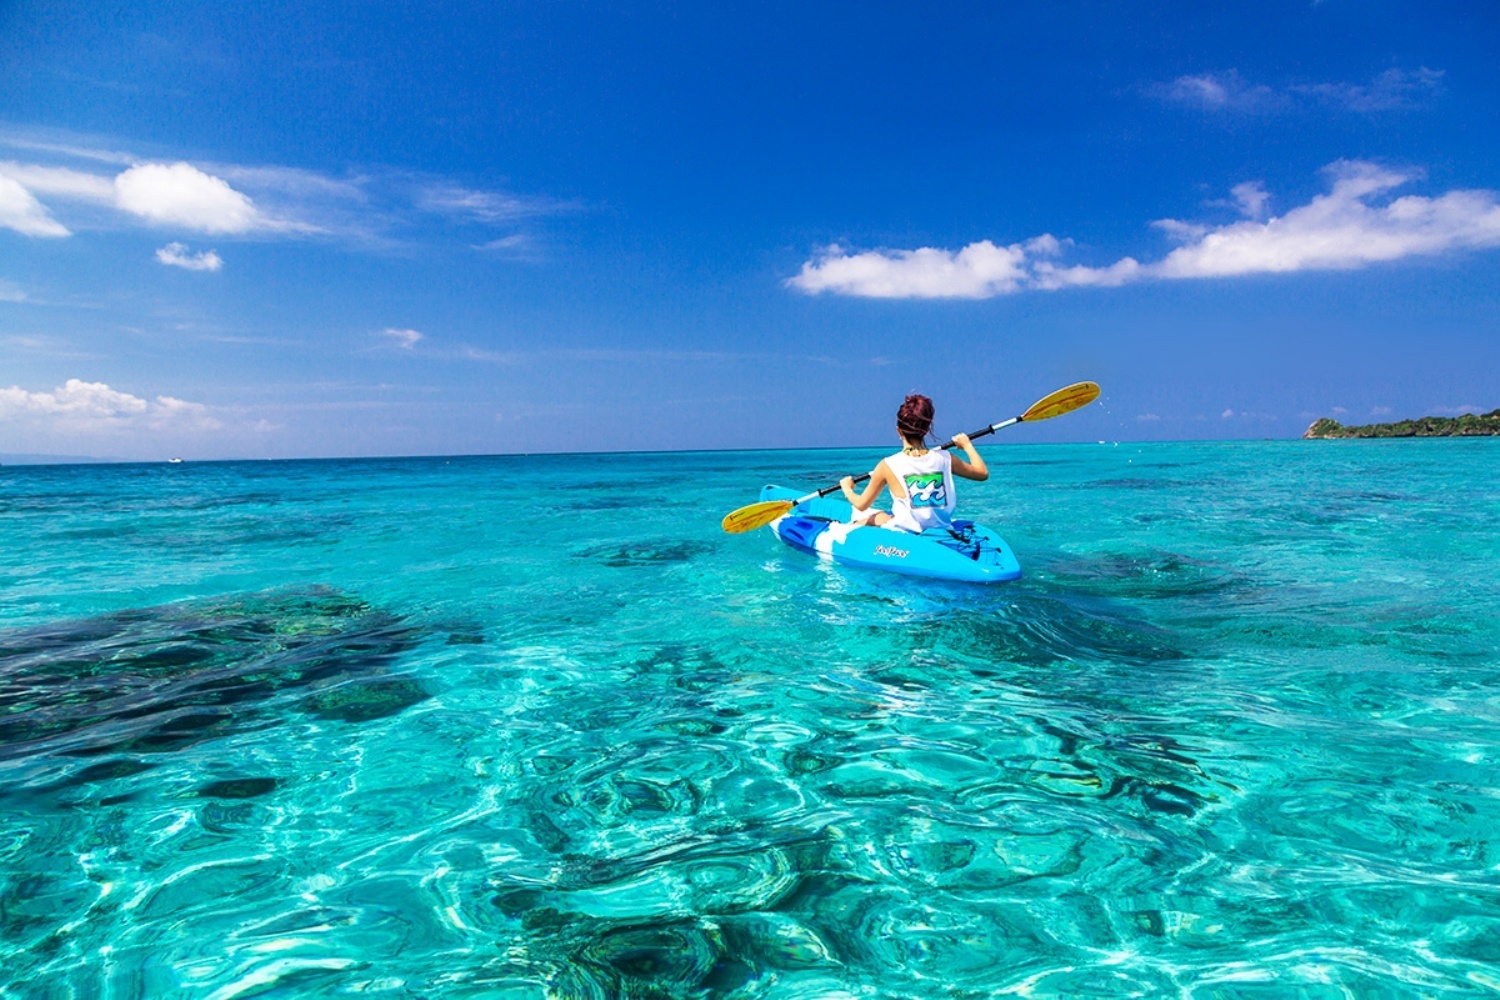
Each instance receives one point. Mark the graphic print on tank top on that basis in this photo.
(925, 489)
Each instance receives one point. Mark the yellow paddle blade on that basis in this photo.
(757, 515)
(1063, 401)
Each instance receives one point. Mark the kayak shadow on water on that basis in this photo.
(102, 698)
(1052, 617)
(652, 552)
(1039, 629)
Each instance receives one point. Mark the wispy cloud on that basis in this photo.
(11, 292)
(488, 356)
(1228, 92)
(61, 181)
(1393, 90)
(402, 338)
(77, 405)
(69, 149)
(295, 182)
(1347, 228)
(45, 190)
(178, 255)
(513, 242)
(515, 247)
(52, 348)
(485, 206)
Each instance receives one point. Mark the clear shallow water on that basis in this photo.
(535, 728)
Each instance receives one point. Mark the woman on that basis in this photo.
(920, 479)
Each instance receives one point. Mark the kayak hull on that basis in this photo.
(968, 552)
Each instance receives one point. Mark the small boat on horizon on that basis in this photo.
(174, 461)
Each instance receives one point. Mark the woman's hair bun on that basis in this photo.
(914, 419)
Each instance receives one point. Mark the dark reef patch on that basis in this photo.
(239, 788)
(1152, 574)
(365, 701)
(652, 553)
(1039, 631)
(153, 680)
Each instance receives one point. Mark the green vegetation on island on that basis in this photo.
(1468, 425)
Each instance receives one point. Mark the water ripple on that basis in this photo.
(1233, 735)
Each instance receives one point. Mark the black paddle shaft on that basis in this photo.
(992, 428)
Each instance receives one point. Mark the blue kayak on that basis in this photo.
(966, 551)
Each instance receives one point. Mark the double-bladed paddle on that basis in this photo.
(758, 515)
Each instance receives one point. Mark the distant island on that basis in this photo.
(1468, 425)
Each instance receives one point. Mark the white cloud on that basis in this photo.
(1345, 229)
(23, 213)
(179, 194)
(11, 292)
(78, 405)
(405, 339)
(1459, 411)
(1049, 276)
(1227, 414)
(1147, 418)
(1181, 232)
(177, 255)
(169, 410)
(1380, 411)
(978, 271)
(76, 399)
(1251, 197)
(1341, 230)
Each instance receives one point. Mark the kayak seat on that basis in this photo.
(801, 531)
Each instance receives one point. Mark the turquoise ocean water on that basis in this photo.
(534, 727)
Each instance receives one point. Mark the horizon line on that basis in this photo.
(9, 460)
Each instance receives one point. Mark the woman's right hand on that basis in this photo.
(847, 485)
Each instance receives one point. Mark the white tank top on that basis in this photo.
(929, 499)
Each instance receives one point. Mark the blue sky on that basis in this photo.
(382, 229)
